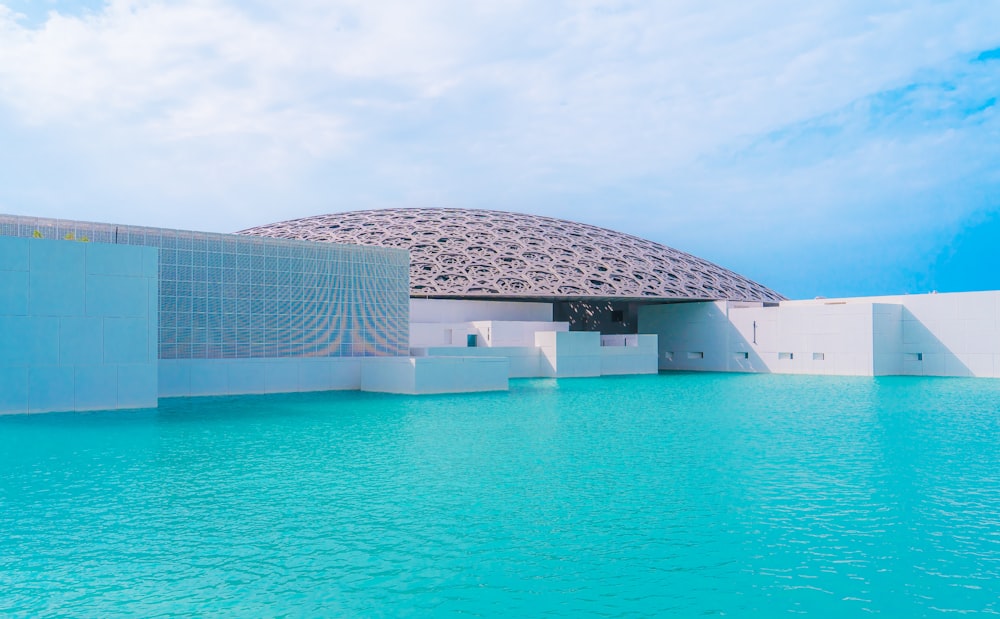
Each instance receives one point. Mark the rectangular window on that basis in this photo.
(741, 355)
(696, 355)
(786, 355)
(470, 340)
(913, 356)
(819, 356)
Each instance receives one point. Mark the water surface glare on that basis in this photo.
(674, 495)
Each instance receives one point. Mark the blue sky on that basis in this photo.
(821, 148)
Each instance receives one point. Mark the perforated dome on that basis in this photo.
(481, 254)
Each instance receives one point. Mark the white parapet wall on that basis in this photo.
(524, 361)
(628, 354)
(563, 354)
(569, 353)
(488, 333)
(208, 377)
(462, 310)
(831, 339)
(508, 333)
(587, 353)
(203, 377)
(433, 375)
(459, 323)
(424, 334)
(954, 334)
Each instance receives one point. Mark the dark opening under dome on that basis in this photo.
(466, 253)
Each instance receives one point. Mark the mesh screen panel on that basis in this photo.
(225, 296)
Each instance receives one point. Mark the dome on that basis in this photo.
(466, 253)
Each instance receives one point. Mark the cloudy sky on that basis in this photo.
(821, 148)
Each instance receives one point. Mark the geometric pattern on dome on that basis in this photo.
(480, 253)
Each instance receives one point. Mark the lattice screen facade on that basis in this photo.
(225, 296)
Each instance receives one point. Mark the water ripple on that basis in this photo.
(672, 495)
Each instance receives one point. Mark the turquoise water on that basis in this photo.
(674, 495)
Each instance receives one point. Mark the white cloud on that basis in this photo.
(700, 119)
(696, 71)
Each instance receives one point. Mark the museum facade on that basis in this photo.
(103, 316)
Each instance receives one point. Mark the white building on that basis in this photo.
(553, 298)
(487, 283)
(96, 316)
(955, 334)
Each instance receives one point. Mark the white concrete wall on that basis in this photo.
(205, 377)
(951, 334)
(201, 377)
(693, 336)
(569, 353)
(424, 334)
(427, 375)
(954, 334)
(573, 354)
(636, 354)
(489, 333)
(513, 333)
(714, 336)
(461, 310)
(523, 361)
(78, 325)
(887, 339)
(828, 339)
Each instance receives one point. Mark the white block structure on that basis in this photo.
(78, 326)
(523, 361)
(208, 377)
(524, 334)
(462, 323)
(468, 310)
(955, 334)
(569, 354)
(487, 333)
(434, 375)
(628, 354)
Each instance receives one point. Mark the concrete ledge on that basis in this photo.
(200, 377)
(427, 375)
(635, 354)
(524, 361)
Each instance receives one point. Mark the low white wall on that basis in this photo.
(693, 336)
(428, 375)
(831, 339)
(715, 336)
(954, 334)
(201, 377)
(636, 354)
(205, 377)
(569, 353)
(615, 340)
(488, 333)
(461, 310)
(523, 361)
(423, 334)
(563, 354)
(949, 334)
(513, 333)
